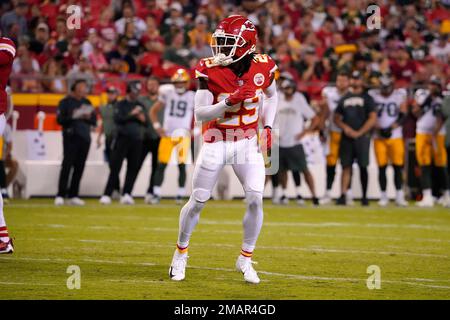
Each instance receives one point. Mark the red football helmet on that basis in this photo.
(234, 38)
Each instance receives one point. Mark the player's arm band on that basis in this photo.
(204, 109)
(270, 104)
(400, 119)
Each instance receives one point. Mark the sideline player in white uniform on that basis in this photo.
(178, 104)
(293, 111)
(430, 141)
(389, 146)
(234, 87)
(330, 98)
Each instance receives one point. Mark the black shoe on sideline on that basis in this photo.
(341, 201)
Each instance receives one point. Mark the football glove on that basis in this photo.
(240, 95)
(385, 133)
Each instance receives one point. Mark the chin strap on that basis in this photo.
(222, 60)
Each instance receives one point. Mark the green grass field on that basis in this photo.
(303, 252)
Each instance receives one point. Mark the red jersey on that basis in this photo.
(222, 82)
(7, 55)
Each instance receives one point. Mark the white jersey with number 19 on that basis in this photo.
(178, 110)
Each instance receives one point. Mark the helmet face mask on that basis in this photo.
(180, 80)
(234, 38)
(181, 87)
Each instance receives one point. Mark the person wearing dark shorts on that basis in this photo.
(293, 111)
(356, 116)
(293, 158)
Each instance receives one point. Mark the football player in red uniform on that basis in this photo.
(236, 88)
(7, 54)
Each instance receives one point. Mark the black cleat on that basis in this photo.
(341, 201)
(315, 201)
(365, 202)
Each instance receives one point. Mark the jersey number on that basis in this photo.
(435, 107)
(178, 109)
(391, 109)
(261, 58)
(246, 114)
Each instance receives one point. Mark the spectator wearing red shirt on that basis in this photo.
(151, 60)
(106, 29)
(151, 9)
(326, 31)
(402, 67)
(72, 55)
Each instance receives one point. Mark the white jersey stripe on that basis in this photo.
(9, 48)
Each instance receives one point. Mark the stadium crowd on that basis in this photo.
(312, 42)
(137, 38)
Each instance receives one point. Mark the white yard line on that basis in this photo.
(284, 248)
(273, 224)
(308, 234)
(276, 274)
(28, 284)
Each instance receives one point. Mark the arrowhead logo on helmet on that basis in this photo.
(234, 38)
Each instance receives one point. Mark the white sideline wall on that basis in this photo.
(42, 172)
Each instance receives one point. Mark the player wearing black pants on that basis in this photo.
(150, 145)
(123, 147)
(151, 140)
(108, 126)
(130, 118)
(76, 115)
(356, 116)
(3, 181)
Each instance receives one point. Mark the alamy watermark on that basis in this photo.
(74, 17)
(374, 17)
(374, 279)
(74, 280)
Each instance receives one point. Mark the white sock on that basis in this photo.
(349, 194)
(328, 194)
(3, 230)
(189, 216)
(427, 193)
(383, 195)
(277, 192)
(253, 220)
(181, 191)
(283, 191)
(400, 194)
(157, 191)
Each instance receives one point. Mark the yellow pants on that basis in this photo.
(2, 156)
(428, 148)
(333, 155)
(166, 146)
(389, 151)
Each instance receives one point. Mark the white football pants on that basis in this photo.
(2, 129)
(248, 164)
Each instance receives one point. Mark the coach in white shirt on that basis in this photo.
(293, 111)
